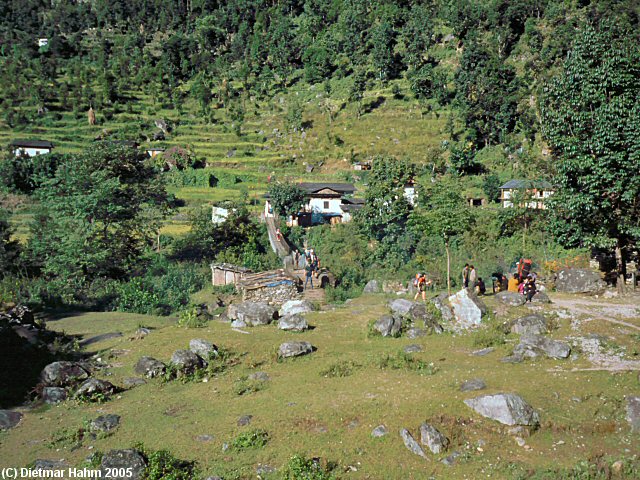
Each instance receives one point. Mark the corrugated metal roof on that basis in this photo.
(516, 184)
(32, 143)
(338, 187)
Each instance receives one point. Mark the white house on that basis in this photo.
(219, 214)
(324, 203)
(536, 193)
(31, 148)
(410, 193)
(43, 42)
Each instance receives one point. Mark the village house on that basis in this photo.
(43, 42)
(226, 274)
(536, 193)
(410, 192)
(324, 203)
(154, 151)
(31, 148)
(362, 166)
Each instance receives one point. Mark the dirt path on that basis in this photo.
(603, 311)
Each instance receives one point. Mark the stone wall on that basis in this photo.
(278, 294)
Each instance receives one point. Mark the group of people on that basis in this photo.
(470, 279)
(311, 265)
(525, 285)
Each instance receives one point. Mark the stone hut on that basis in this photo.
(273, 286)
(227, 274)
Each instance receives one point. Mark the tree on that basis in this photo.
(491, 187)
(286, 198)
(9, 249)
(91, 221)
(294, 115)
(356, 93)
(591, 119)
(383, 40)
(445, 215)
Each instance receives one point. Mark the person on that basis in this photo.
(278, 234)
(513, 284)
(473, 277)
(308, 270)
(504, 283)
(481, 288)
(296, 258)
(465, 275)
(423, 283)
(521, 288)
(529, 288)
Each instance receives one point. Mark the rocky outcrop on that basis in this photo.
(531, 346)
(203, 348)
(534, 324)
(294, 349)
(468, 309)
(506, 408)
(187, 362)
(433, 439)
(93, 386)
(388, 326)
(411, 444)
(473, 385)
(62, 374)
(293, 307)
(54, 395)
(150, 367)
(512, 299)
(105, 423)
(252, 314)
(9, 419)
(578, 280)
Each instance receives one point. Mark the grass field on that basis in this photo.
(582, 412)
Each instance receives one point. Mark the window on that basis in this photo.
(326, 205)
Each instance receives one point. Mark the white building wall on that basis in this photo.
(31, 152)
(317, 205)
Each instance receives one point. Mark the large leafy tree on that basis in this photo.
(446, 215)
(286, 198)
(94, 217)
(591, 118)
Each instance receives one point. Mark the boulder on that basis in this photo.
(411, 444)
(294, 349)
(9, 419)
(128, 462)
(379, 431)
(105, 423)
(412, 348)
(432, 438)
(93, 386)
(53, 395)
(150, 367)
(293, 307)
(251, 314)
(441, 302)
(61, 374)
(187, 362)
(531, 345)
(372, 286)
(473, 385)
(388, 326)
(19, 315)
(468, 309)
(511, 299)
(540, 297)
(203, 348)
(633, 413)
(506, 408)
(534, 324)
(401, 306)
(293, 322)
(578, 280)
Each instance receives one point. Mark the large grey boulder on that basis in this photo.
(530, 345)
(411, 444)
(105, 423)
(534, 324)
(9, 419)
(388, 326)
(633, 413)
(54, 395)
(293, 322)
(294, 349)
(293, 307)
(541, 297)
(187, 362)
(414, 312)
(94, 386)
(401, 306)
(128, 462)
(372, 286)
(578, 280)
(203, 348)
(511, 299)
(150, 367)
(252, 314)
(506, 408)
(441, 302)
(432, 438)
(468, 309)
(61, 374)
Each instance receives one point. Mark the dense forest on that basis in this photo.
(542, 89)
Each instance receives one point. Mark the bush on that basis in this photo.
(162, 465)
(190, 178)
(405, 361)
(340, 369)
(189, 318)
(136, 296)
(250, 440)
(302, 468)
(244, 386)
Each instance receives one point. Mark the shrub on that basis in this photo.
(244, 386)
(302, 468)
(250, 440)
(136, 296)
(340, 369)
(405, 361)
(162, 465)
(189, 318)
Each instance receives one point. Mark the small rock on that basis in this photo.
(451, 459)
(412, 348)
(259, 376)
(150, 367)
(411, 443)
(129, 462)
(244, 420)
(379, 431)
(293, 322)
(633, 413)
(512, 359)
(187, 362)
(9, 419)
(372, 286)
(388, 326)
(520, 441)
(41, 464)
(511, 299)
(506, 408)
(264, 469)
(93, 386)
(105, 423)
(203, 348)
(204, 438)
(432, 438)
(133, 382)
(473, 385)
(54, 395)
(294, 349)
(483, 352)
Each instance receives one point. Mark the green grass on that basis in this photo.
(312, 408)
